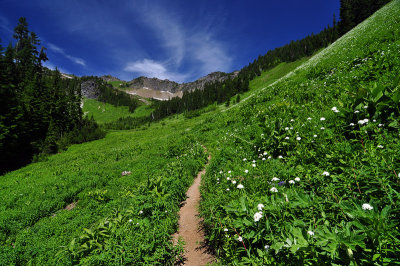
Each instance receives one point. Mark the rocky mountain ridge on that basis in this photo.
(172, 86)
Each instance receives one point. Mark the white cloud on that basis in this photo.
(150, 68)
(76, 60)
(51, 66)
(211, 54)
(146, 37)
(194, 48)
(61, 51)
(170, 31)
(5, 25)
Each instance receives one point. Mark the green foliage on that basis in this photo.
(292, 179)
(108, 94)
(117, 219)
(334, 126)
(39, 108)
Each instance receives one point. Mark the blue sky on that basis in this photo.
(171, 39)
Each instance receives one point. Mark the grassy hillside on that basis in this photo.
(104, 112)
(308, 170)
(132, 215)
(119, 84)
(304, 170)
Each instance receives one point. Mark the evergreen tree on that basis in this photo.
(38, 109)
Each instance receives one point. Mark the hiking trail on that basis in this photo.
(190, 227)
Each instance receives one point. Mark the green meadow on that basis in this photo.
(305, 169)
(105, 112)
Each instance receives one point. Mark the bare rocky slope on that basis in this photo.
(166, 89)
(172, 86)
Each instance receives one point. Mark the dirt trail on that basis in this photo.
(190, 227)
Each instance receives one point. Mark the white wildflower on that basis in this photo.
(366, 206)
(322, 119)
(229, 172)
(280, 157)
(124, 173)
(263, 159)
(130, 220)
(322, 128)
(309, 118)
(140, 212)
(335, 110)
(233, 182)
(240, 239)
(244, 159)
(351, 124)
(257, 216)
(226, 230)
(240, 186)
(380, 146)
(275, 179)
(291, 182)
(228, 178)
(325, 173)
(220, 172)
(266, 247)
(286, 128)
(246, 171)
(260, 206)
(356, 111)
(269, 157)
(298, 138)
(311, 233)
(287, 138)
(291, 120)
(265, 153)
(227, 189)
(273, 189)
(315, 136)
(380, 125)
(366, 107)
(254, 165)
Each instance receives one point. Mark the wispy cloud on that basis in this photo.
(151, 38)
(211, 54)
(169, 30)
(51, 66)
(61, 51)
(150, 68)
(188, 47)
(5, 25)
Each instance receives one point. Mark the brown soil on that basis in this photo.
(150, 93)
(190, 227)
(71, 206)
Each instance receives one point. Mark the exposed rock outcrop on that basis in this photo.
(166, 89)
(108, 78)
(210, 78)
(154, 84)
(90, 89)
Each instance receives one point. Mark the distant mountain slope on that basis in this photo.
(166, 89)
